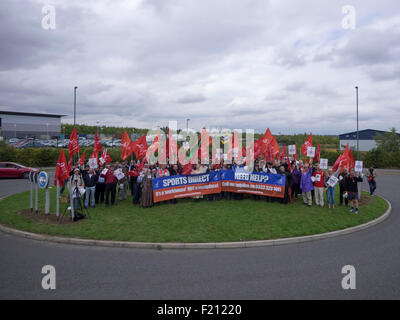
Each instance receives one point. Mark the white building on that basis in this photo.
(29, 125)
(365, 137)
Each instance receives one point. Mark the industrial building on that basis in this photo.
(24, 125)
(365, 137)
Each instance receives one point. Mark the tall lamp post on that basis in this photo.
(187, 124)
(358, 142)
(75, 105)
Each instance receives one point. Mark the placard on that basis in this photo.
(323, 163)
(311, 152)
(358, 166)
(92, 162)
(104, 171)
(292, 149)
(119, 174)
(332, 181)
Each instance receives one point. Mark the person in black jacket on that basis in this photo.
(90, 179)
(342, 178)
(100, 187)
(174, 171)
(288, 182)
(351, 187)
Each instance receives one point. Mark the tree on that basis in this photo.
(388, 141)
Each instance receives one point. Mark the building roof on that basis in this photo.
(14, 113)
(367, 134)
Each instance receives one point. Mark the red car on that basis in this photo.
(14, 170)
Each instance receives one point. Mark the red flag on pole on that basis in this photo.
(82, 159)
(351, 163)
(139, 147)
(126, 146)
(105, 157)
(282, 156)
(62, 172)
(317, 154)
(70, 164)
(307, 143)
(97, 144)
(73, 145)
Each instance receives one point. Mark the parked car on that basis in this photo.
(15, 170)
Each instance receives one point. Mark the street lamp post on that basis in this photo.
(75, 105)
(187, 125)
(47, 130)
(358, 142)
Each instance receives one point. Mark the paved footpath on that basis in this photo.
(307, 270)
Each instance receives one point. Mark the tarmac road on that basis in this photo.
(310, 270)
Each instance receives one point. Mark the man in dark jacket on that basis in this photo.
(351, 187)
(90, 179)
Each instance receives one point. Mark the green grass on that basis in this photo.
(188, 221)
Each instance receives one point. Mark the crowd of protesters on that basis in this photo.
(301, 179)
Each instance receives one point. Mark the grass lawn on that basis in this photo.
(187, 221)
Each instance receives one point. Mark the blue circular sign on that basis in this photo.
(43, 180)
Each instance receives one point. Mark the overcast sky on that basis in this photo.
(286, 65)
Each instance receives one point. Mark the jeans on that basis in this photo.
(330, 195)
(89, 195)
(372, 186)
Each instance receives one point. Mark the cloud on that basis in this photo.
(236, 64)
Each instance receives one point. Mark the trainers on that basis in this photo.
(356, 211)
(351, 210)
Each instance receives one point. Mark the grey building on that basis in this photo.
(29, 125)
(366, 139)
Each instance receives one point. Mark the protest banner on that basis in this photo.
(92, 162)
(323, 164)
(259, 183)
(182, 186)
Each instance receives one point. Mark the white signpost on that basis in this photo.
(311, 152)
(358, 166)
(323, 164)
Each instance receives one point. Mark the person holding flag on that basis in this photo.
(351, 187)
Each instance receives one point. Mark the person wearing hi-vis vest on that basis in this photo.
(319, 184)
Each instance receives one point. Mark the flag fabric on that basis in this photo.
(288, 163)
(139, 147)
(62, 172)
(351, 160)
(126, 146)
(73, 144)
(105, 157)
(187, 168)
(337, 163)
(317, 154)
(203, 152)
(97, 144)
(269, 140)
(70, 164)
(82, 159)
(282, 156)
(307, 143)
(154, 147)
(294, 156)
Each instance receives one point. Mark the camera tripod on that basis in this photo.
(77, 203)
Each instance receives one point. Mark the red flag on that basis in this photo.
(288, 163)
(62, 172)
(337, 163)
(70, 164)
(317, 154)
(73, 144)
(139, 167)
(139, 147)
(126, 146)
(187, 168)
(97, 144)
(282, 156)
(351, 163)
(307, 143)
(105, 157)
(82, 159)
(269, 140)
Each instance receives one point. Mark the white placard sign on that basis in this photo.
(311, 152)
(323, 164)
(358, 166)
(104, 171)
(292, 149)
(332, 181)
(119, 174)
(92, 162)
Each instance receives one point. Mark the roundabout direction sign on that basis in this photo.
(43, 180)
